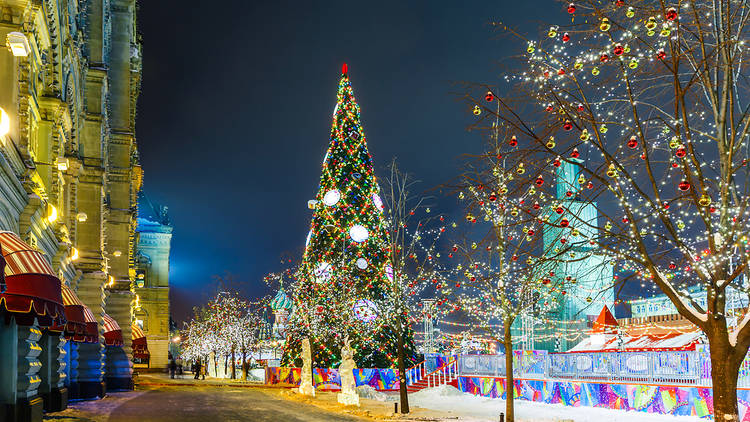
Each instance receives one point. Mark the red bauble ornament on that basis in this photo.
(493, 197)
(567, 125)
(559, 210)
(561, 71)
(571, 8)
(683, 186)
(513, 141)
(564, 222)
(671, 14)
(344, 69)
(566, 37)
(660, 54)
(575, 153)
(618, 50)
(557, 162)
(550, 108)
(580, 108)
(681, 151)
(539, 180)
(632, 142)
(530, 232)
(604, 58)
(489, 97)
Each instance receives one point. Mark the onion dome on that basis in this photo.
(281, 302)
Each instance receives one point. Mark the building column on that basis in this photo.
(19, 366)
(52, 388)
(119, 359)
(90, 380)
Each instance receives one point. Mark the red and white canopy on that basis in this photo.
(81, 325)
(112, 331)
(140, 345)
(30, 289)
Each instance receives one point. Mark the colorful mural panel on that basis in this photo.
(329, 378)
(675, 400)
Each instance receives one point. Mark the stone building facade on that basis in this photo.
(153, 241)
(69, 173)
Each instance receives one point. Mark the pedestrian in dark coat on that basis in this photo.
(172, 368)
(197, 370)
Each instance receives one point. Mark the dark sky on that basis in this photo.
(236, 103)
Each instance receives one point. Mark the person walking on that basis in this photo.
(172, 368)
(204, 368)
(198, 371)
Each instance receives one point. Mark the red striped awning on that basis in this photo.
(30, 289)
(140, 345)
(112, 331)
(81, 326)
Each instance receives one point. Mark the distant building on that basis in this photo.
(153, 241)
(281, 305)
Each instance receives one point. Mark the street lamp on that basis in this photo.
(18, 44)
(4, 123)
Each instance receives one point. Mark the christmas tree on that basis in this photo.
(342, 285)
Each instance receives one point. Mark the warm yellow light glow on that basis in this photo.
(137, 304)
(4, 123)
(73, 254)
(51, 213)
(176, 339)
(82, 217)
(18, 44)
(116, 253)
(62, 164)
(111, 281)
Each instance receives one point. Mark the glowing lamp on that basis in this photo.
(117, 254)
(82, 217)
(73, 254)
(358, 233)
(4, 123)
(62, 163)
(51, 213)
(18, 44)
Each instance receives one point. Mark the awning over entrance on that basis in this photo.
(81, 325)
(140, 345)
(30, 289)
(112, 331)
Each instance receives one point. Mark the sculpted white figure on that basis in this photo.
(348, 394)
(306, 385)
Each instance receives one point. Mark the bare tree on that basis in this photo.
(652, 95)
(413, 234)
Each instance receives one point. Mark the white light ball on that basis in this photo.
(389, 272)
(361, 263)
(378, 202)
(323, 272)
(358, 233)
(332, 197)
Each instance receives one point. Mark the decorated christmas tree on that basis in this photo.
(344, 279)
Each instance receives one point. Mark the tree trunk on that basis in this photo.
(244, 364)
(402, 371)
(509, 387)
(724, 372)
(234, 371)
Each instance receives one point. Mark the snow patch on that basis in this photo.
(367, 392)
(466, 407)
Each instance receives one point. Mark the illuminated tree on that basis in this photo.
(414, 236)
(653, 98)
(520, 246)
(344, 275)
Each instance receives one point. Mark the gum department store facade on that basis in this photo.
(69, 183)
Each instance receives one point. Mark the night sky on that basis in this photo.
(235, 113)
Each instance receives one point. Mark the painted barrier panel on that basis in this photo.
(664, 399)
(329, 378)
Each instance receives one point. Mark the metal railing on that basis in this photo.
(443, 374)
(662, 367)
(415, 373)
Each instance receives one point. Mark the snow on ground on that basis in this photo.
(469, 407)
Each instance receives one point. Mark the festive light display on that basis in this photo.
(653, 100)
(226, 327)
(343, 265)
